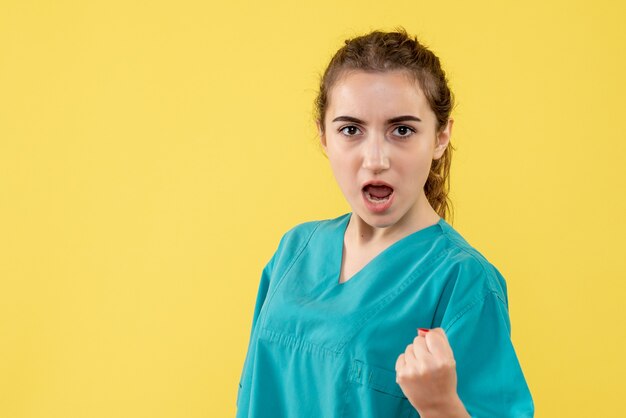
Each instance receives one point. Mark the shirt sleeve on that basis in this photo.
(490, 381)
(264, 285)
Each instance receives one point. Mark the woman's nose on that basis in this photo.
(375, 156)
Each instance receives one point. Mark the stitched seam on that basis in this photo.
(373, 377)
(471, 254)
(476, 302)
(295, 342)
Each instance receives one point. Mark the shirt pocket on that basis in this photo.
(372, 392)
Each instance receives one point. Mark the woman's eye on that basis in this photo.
(349, 130)
(403, 131)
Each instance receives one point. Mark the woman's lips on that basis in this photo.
(376, 183)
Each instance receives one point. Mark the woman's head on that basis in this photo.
(396, 52)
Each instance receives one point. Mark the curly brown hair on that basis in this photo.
(386, 51)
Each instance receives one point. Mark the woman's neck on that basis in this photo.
(361, 234)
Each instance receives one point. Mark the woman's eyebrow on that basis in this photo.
(392, 120)
(404, 118)
(348, 119)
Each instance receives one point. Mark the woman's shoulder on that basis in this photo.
(297, 238)
(302, 232)
(469, 268)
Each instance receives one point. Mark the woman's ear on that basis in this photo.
(443, 139)
(322, 135)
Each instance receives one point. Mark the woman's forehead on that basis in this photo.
(383, 94)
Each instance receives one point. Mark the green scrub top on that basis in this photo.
(320, 348)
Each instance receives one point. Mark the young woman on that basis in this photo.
(385, 311)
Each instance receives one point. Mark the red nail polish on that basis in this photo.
(424, 329)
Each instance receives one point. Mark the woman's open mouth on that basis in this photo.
(377, 196)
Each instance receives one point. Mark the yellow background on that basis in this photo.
(153, 153)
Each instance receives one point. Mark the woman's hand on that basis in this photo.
(426, 372)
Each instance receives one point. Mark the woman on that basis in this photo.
(335, 328)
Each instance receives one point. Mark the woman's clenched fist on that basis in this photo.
(426, 372)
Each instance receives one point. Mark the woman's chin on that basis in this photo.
(376, 220)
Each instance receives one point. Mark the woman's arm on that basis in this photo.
(453, 410)
(484, 372)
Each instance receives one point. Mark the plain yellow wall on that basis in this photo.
(153, 153)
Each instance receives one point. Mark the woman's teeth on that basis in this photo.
(375, 199)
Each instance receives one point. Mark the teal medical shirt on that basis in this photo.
(320, 348)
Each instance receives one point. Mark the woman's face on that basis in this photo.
(380, 137)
